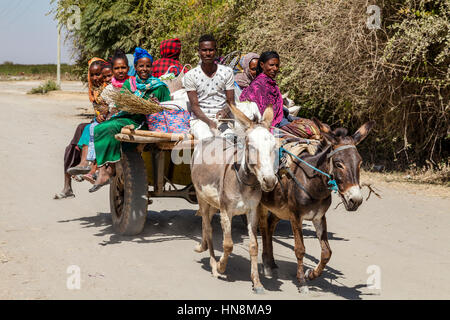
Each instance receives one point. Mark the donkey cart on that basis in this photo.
(153, 165)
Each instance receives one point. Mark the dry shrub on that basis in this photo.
(346, 73)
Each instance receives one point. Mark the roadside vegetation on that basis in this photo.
(48, 86)
(9, 70)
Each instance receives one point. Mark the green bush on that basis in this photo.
(50, 85)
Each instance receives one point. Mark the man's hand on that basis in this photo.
(101, 118)
(222, 113)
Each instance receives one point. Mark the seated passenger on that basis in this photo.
(209, 87)
(263, 90)
(170, 54)
(249, 65)
(107, 148)
(96, 85)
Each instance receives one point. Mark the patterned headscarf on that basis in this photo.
(141, 87)
(94, 91)
(245, 78)
(170, 52)
(140, 53)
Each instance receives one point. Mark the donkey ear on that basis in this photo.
(268, 116)
(323, 127)
(329, 137)
(362, 132)
(240, 116)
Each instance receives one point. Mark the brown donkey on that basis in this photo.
(232, 179)
(306, 196)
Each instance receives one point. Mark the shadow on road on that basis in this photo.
(184, 225)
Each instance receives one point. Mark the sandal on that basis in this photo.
(89, 177)
(74, 171)
(61, 195)
(78, 178)
(97, 187)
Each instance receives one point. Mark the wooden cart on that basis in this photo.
(147, 170)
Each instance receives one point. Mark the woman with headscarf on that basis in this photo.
(263, 90)
(144, 86)
(249, 65)
(170, 51)
(76, 152)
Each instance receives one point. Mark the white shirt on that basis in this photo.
(210, 90)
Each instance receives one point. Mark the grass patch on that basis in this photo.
(50, 85)
(10, 69)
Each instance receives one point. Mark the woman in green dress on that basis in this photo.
(107, 148)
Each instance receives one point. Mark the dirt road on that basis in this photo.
(399, 243)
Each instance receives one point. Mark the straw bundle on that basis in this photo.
(128, 102)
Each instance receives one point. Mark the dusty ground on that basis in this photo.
(405, 235)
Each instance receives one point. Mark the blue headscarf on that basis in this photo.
(140, 53)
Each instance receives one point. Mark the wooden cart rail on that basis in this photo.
(165, 141)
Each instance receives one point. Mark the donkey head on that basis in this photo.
(260, 147)
(345, 161)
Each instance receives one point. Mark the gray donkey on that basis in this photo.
(232, 180)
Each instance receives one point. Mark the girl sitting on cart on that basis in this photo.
(107, 148)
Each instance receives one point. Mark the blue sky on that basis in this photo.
(28, 35)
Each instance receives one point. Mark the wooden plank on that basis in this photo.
(189, 144)
(137, 139)
(156, 134)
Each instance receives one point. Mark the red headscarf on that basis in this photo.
(170, 52)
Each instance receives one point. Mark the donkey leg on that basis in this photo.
(225, 220)
(322, 235)
(299, 249)
(252, 219)
(207, 212)
(203, 212)
(273, 222)
(264, 230)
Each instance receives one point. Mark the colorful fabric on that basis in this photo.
(131, 69)
(171, 121)
(72, 154)
(94, 91)
(304, 128)
(143, 86)
(118, 83)
(84, 139)
(264, 91)
(160, 92)
(107, 148)
(170, 51)
(244, 78)
(140, 53)
(91, 147)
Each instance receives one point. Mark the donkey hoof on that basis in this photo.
(198, 248)
(268, 272)
(258, 290)
(308, 274)
(303, 289)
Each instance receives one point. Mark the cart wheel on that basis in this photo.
(128, 195)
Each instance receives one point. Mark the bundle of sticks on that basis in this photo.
(131, 103)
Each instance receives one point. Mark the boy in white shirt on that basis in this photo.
(209, 87)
